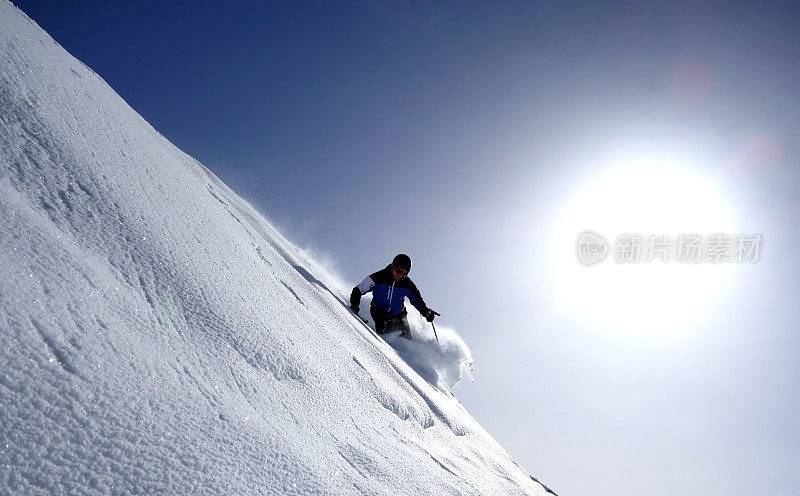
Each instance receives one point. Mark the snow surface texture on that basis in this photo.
(159, 337)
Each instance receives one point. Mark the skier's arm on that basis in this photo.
(419, 304)
(365, 286)
(416, 299)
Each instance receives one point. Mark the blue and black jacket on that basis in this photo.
(388, 294)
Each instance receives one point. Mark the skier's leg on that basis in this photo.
(378, 318)
(402, 324)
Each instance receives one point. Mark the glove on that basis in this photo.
(355, 309)
(430, 315)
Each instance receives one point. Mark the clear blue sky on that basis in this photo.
(458, 132)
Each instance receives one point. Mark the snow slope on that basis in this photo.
(159, 337)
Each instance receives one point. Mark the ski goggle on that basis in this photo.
(400, 271)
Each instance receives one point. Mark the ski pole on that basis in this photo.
(362, 319)
(434, 327)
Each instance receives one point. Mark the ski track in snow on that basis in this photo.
(160, 337)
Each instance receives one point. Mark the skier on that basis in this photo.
(389, 288)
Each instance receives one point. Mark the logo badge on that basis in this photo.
(591, 248)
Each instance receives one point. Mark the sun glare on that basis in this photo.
(643, 298)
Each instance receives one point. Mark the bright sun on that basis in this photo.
(646, 298)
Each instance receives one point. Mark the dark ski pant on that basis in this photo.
(387, 323)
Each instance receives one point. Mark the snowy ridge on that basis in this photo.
(159, 337)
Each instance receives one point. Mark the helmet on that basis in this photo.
(403, 261)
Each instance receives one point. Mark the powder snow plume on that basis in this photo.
(444, 363)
